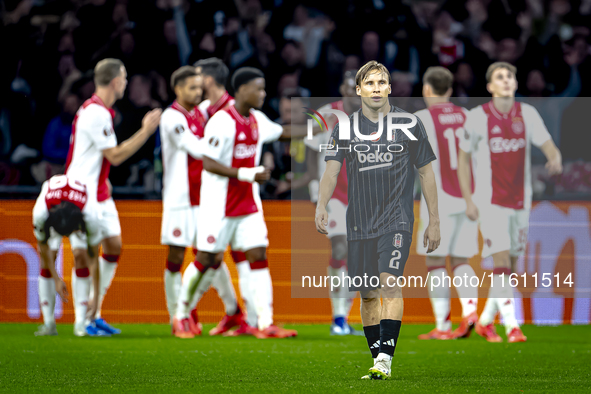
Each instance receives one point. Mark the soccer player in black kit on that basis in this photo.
(380, 211)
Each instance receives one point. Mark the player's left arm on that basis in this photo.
(554, 157)
(421, 156)
(432, 237)
(540, 137)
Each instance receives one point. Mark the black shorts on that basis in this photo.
(368, 258)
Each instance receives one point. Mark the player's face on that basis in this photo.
(192, 91)
(374, 89)
(502, 83)
(120, 83)
(254, 92)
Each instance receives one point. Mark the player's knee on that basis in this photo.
(502, 260)
(112, 245)
(80, 258)
(370, 296)
(435, 261)
(257, 254)
(339, 251)
(176, 254)
(339, 247)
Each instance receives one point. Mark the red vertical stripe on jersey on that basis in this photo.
(196, 122)
(506, 139)
(448, 119)
(240, 197)
(340, 191)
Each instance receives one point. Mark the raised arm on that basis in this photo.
(431, 237)
(327, 186)
(127, 148)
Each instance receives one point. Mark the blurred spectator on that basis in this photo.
(56, 141)
(287, 158)
(132, 108)
(50, 47)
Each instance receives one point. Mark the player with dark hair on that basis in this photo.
(93, 149)
(380, 210)
(230, 205)
(341, 298)
(61, 210)
(444, 123)
(181, 131)
(498, 138)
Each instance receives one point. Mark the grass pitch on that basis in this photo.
(145, 358)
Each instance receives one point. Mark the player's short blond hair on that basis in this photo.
(439, 78)
(106, 70)
(368, 68)
(495, 66)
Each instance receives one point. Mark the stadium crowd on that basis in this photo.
(49, 49)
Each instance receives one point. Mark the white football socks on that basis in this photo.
(222, 283)
(194, 285)
(106, 273)
(172, 288)
(244, 282)
(47, 295)
(467, 293)
(338, 297)
(505, 302)
(263, 296)
(439, 296)
(80, 292)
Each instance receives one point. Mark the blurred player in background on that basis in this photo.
(231, 209)
(93, 149)
(181, 130)
(341, 298)
(63, 208)
(380, 210)
(215, 75)
(498, 136)
(443, 123)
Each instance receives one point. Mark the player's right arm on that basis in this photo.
(219, 135)
(467, 144)
(327, 186)
(334, 160)
(127, 148)
(48, 257)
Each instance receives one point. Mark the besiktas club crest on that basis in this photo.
(397, 241)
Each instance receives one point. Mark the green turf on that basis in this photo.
(145, 358)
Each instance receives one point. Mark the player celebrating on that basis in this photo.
(443, 123)
(498, 135)
(181, 130)
(215, 75)
(231, 209)
(61, 209)
(93, 148)
(380, 210)
(341, 298)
